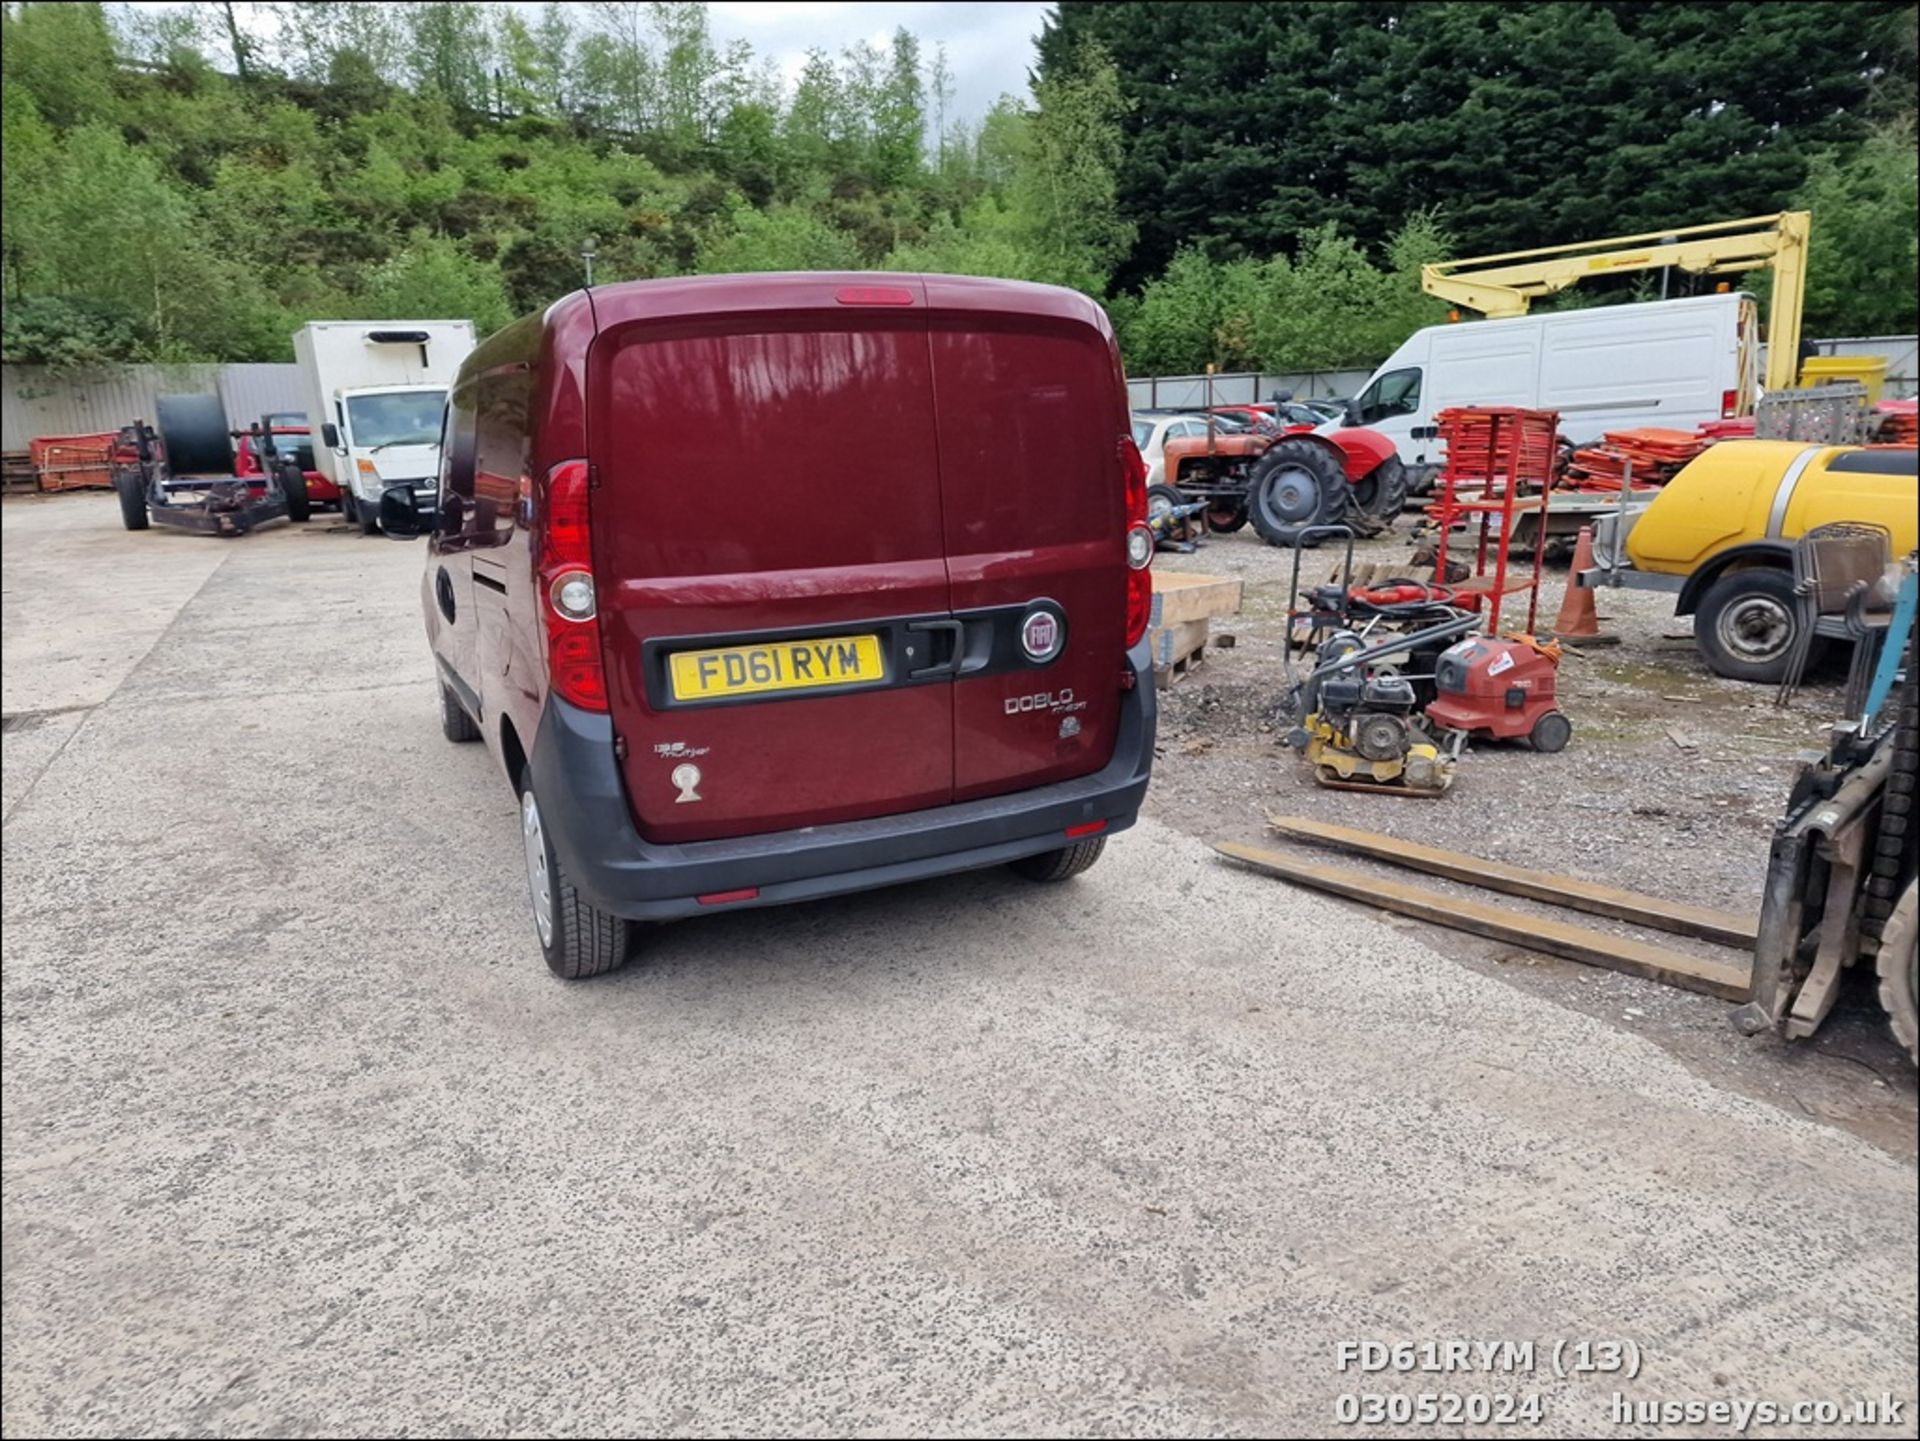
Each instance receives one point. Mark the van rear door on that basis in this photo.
(768, 542)
(1031, 407)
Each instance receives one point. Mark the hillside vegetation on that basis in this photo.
(1247, 185)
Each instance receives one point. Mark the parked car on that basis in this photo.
(1286, 413)
(1153, 429)
(871, 673)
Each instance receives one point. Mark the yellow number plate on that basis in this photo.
(781, 665)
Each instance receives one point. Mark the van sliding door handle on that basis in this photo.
(941, 636)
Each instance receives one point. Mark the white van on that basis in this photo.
(1669, 363)
(376, 391)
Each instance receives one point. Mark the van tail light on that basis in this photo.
(1729, 404)
(568, 604)
(1139, 541)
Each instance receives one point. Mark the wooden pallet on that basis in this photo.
(17, 475)
(1178, 651)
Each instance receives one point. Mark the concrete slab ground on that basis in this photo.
(301, 1138)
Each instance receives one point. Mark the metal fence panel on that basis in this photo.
(1189, 392)
(34, 402)
(251, 391)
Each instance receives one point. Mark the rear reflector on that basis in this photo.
(1091, 828)
(721, 898)
(873, 295)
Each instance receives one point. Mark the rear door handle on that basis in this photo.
(949, 633)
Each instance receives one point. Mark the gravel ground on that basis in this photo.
(1671, 786)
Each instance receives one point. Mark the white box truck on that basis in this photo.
(376, 391)
(1669, 363)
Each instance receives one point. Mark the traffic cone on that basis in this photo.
(1579, 623)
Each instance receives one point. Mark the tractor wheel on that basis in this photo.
(1297, 483)
(294, 483)
(1898, 965)
(1223, 519)
(133, 500)
(1375, 500)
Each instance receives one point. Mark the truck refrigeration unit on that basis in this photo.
(376, 391)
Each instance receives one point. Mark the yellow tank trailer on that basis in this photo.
(1721, 535)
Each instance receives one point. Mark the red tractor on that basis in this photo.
(1287, 479)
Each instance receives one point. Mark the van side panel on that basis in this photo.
(1618, 369)
(1663, 363)
(1031, 406)
(759, 472)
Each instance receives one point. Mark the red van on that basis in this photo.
(769, 587)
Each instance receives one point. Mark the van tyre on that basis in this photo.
(577, 938)
(455, 723)
(133, 501)
(1746, 624)
(1297, 483)
(1060, 865)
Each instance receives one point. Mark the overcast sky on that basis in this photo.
(989, 46)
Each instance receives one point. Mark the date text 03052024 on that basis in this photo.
(1526, 1358)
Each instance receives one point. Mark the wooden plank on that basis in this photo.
(1592, 948)
(1729, 928)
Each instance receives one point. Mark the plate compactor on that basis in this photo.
(1357, 716)
(1387, 708)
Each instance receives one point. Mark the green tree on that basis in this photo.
(782, 238)
(450, 51)
(1863, 255)
(1063, 163)
(1251, 125)
(432, 279)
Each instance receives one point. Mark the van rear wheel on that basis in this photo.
(577, 938)
(1062, 864)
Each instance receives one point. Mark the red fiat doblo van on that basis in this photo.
(769, 587)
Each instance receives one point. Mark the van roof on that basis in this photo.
(795, 292)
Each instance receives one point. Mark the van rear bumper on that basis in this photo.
(584, 808)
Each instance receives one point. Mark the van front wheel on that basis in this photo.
(1062, 864)
(577, 938)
